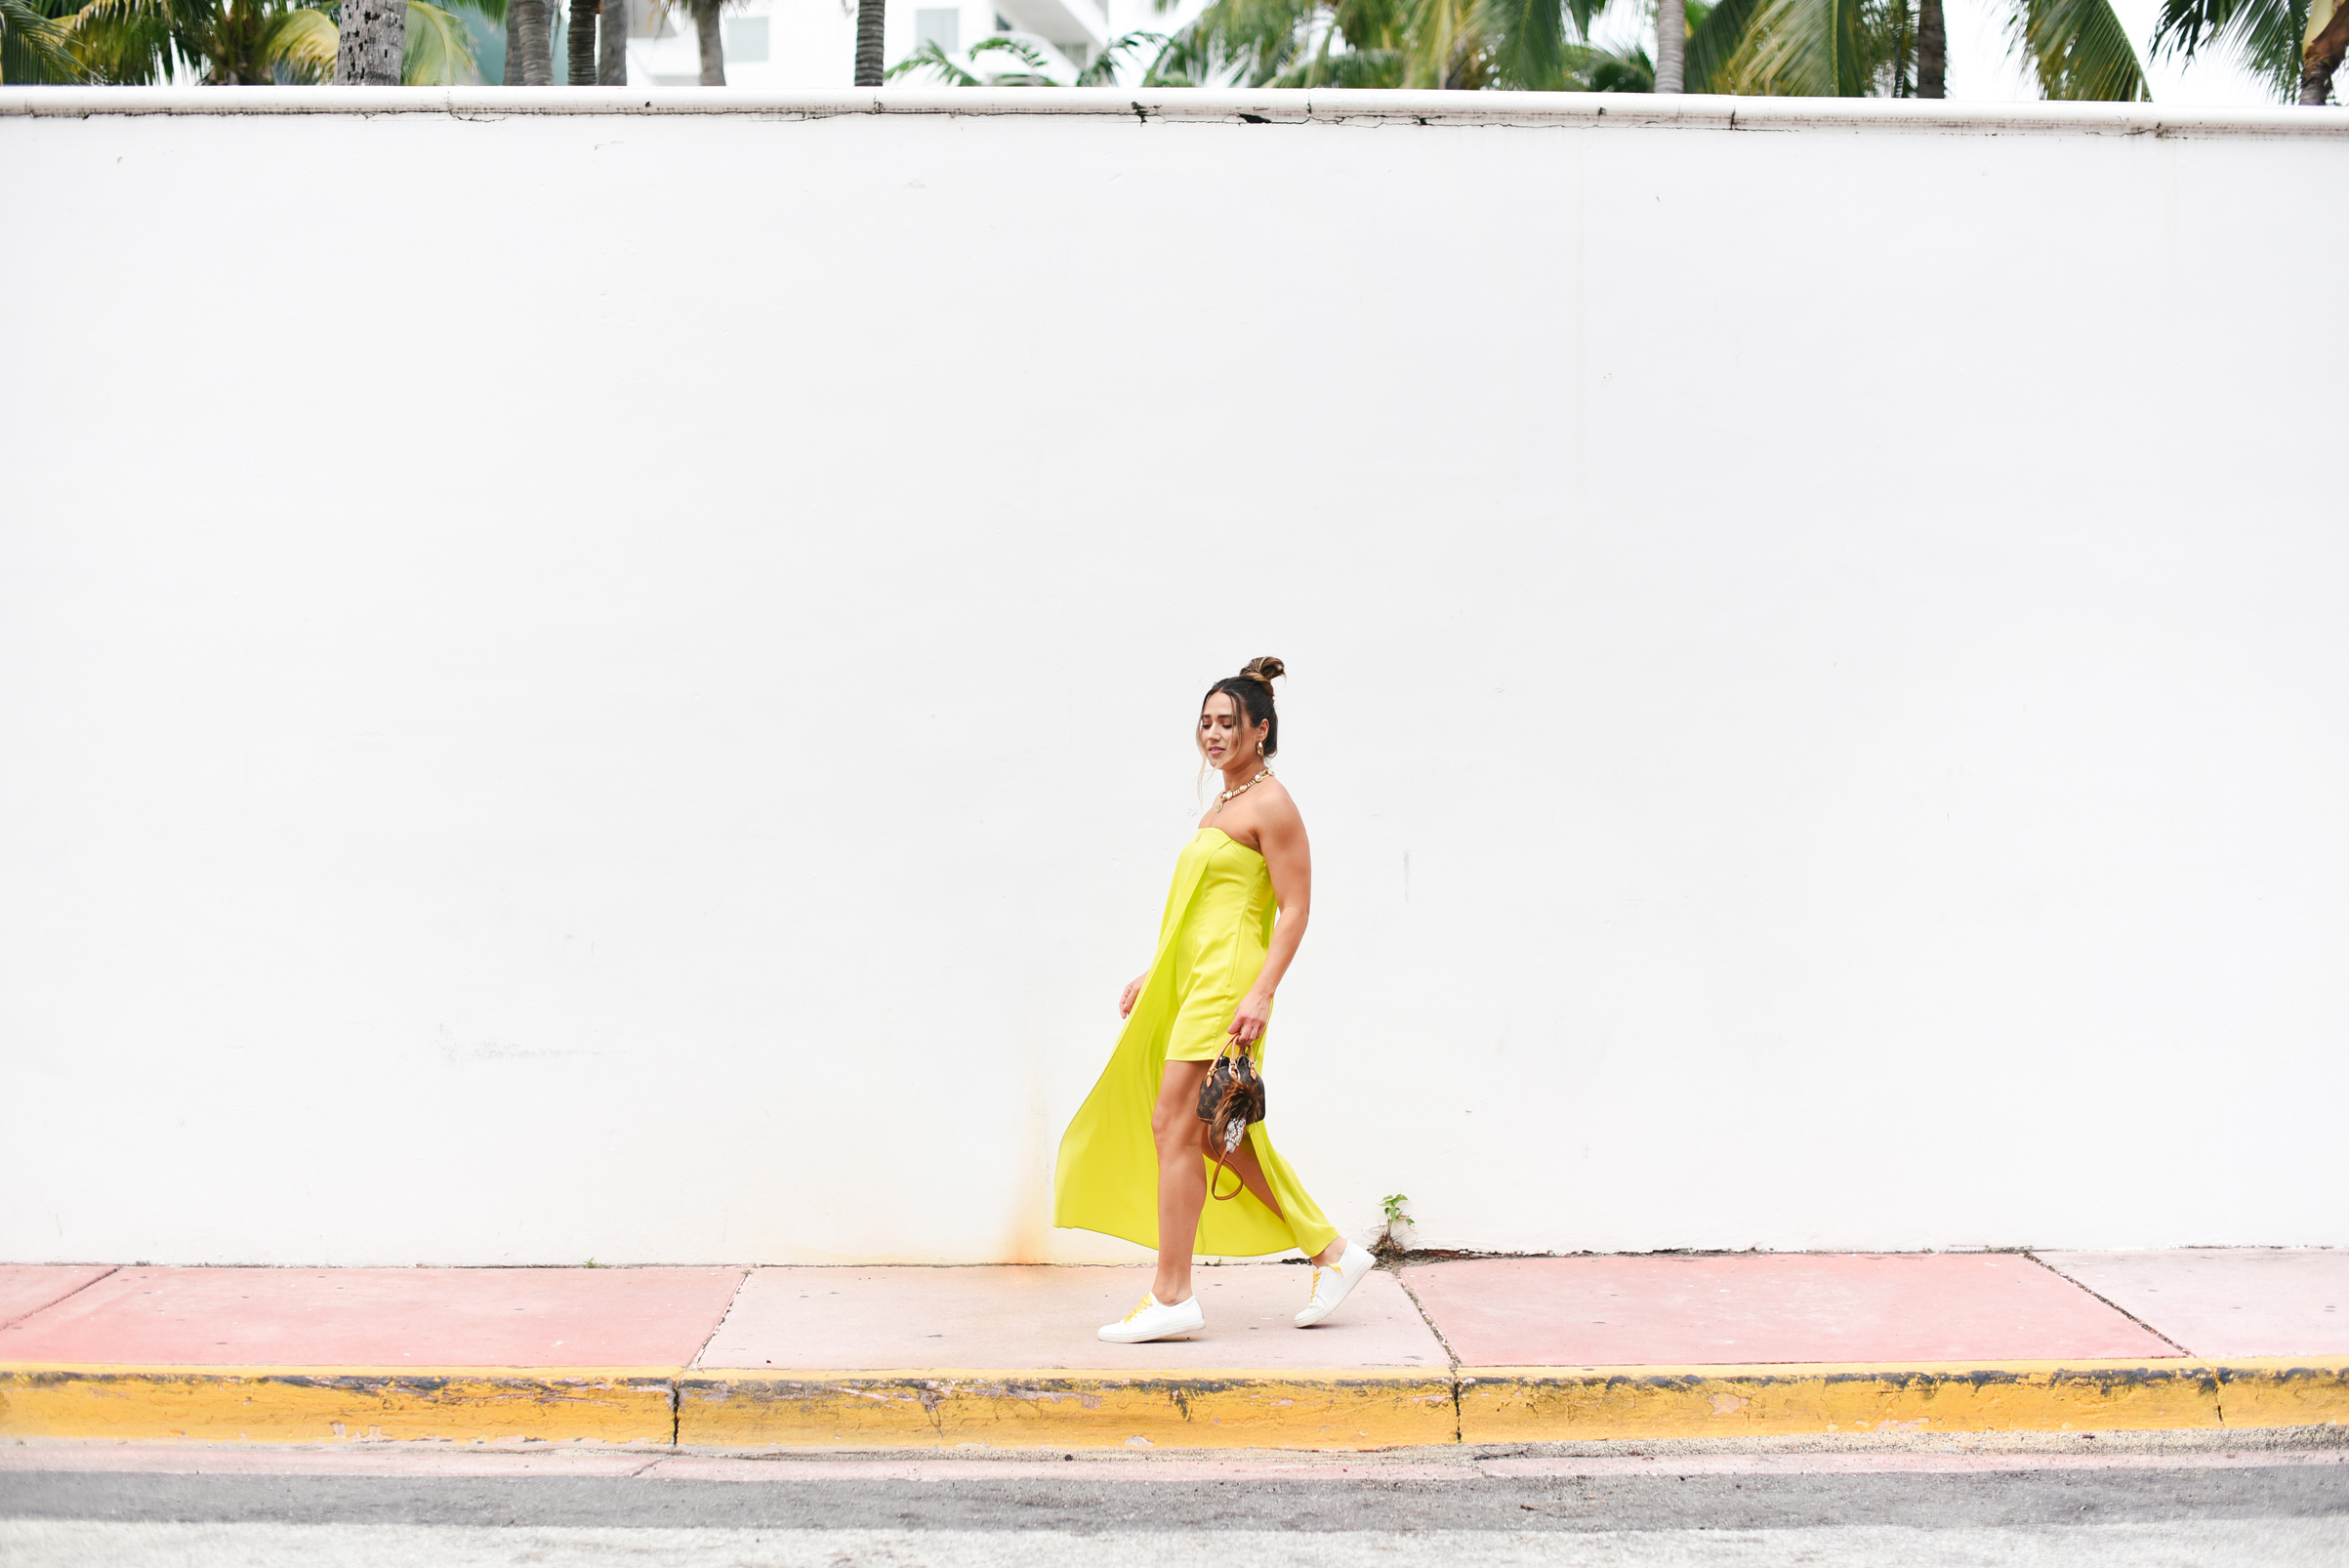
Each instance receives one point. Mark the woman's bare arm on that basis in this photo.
(1281, 839)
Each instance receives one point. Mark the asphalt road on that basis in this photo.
(2251, 1514)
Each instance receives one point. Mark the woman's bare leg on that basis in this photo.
(1182, 1181)
(1244, 1164)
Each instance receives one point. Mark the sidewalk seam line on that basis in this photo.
(1451, 1378)
(110, 1272)
(2109, 1301)
(693, 1362)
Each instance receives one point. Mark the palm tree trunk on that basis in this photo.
(1932, 50)
(581, 55)
(373, 40)
(2322, 56)
(869, 17)
(712, 43)
(513, 44)
(1671, 44)
(613, 30)
(530, 35)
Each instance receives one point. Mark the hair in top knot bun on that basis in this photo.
(1252, 690)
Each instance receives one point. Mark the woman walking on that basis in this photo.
(1134, 1163)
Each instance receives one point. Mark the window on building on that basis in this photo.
(943, 27)
(745, 39)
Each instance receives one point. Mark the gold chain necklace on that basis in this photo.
(1225, 799)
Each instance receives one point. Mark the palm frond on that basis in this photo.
(1591, 68)
(440, 51)
(1347, 67)
(128, 42)
(2079, 49)
(1713, 41)
(301, 44)
(1804, 48)
(34, 47)
(1020, 49)
(1103, 71)
(1179, 64)
(1447, 45)
(1528, 41)
(2265, 35)
(1252, 41)
(931, 58)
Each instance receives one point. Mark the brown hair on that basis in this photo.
(1252, 690)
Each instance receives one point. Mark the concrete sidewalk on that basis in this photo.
(1470, 1351)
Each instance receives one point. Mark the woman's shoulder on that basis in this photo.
(1278, 808)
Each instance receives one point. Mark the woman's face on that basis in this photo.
(1223, 734)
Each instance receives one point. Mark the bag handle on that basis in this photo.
(1235, 1055)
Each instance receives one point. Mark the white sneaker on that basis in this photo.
(1152, 1321)
(1333, 1283)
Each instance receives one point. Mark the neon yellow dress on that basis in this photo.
(1211, 948)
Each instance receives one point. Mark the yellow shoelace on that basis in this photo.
(1143, 1306)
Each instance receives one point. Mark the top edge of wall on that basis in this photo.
(1263, 105)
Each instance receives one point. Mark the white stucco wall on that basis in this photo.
(1821, 696)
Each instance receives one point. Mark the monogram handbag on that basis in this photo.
(1231, 1101)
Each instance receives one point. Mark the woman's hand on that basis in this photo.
(1247, 1023)
(1134, 989)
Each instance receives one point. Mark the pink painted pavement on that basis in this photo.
(1660, 1310)
(381, 1317)
(1040, 1317)
(27, 1287)
(419, 1461)
(2227, 1300)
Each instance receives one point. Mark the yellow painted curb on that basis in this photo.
(1521, 1404)
(2283, 1391)
(1332, 1409)
(323, 1404)
(1237, 1409)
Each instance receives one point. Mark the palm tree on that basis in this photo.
(712, 39)
(251, 42)
(581, 43)
(707, 34)
(1671, 46)
(870, 20)
(605, 62)
(372, 42)
(33, 46)
(612, 63)
(529, 51)
(2324, 40)
(2296, 45)
(1837, 48)
(230, 42)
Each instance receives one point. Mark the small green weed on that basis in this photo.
(1390, 1247)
